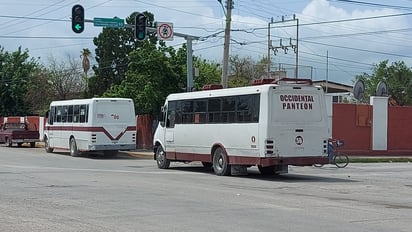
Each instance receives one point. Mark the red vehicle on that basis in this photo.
(18, 133)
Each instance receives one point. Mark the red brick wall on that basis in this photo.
(399, 128)
(352, 123)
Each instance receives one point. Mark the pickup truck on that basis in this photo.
(18, 133)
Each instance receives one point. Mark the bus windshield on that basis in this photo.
(113, 112)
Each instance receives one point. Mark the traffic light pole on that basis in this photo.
(189, 56)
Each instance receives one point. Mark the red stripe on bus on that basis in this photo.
(91, 129)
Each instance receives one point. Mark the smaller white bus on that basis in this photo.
(98, 124)
(270, 126)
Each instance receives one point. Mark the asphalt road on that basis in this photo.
(55, 192)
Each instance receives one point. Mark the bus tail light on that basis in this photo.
(94, 138)
(269, 147)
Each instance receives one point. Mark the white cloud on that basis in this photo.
(358, 35)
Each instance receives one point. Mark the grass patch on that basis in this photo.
(379, 159)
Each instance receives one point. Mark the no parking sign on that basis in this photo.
(165, 31)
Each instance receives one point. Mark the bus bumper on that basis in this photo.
(110, 147)
(296, 161)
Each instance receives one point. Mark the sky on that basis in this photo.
(336, 39)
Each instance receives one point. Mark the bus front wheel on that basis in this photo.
(162, 161)
(221, 165)
(73, 148)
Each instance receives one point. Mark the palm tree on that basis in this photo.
(85, 54)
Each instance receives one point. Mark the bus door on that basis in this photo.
(50, 120)
(169, 132)
(299, 122)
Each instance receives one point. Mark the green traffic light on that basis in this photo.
(78, 18)
(141, 36)
(140, 27)
(78, 27)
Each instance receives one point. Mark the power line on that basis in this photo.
(45, 37)
(374, 4)
(34, 18)
(358, 33)
(359, 49)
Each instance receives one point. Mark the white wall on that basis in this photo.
(379, 123)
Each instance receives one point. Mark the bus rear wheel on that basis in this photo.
(161, 160)
(221, 165)
(73, 148)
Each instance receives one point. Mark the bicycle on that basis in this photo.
(336, 157)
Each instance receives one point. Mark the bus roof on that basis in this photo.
(88, 100)
(235, 91)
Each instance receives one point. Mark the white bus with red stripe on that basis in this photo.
(98, 124)
(269, 125)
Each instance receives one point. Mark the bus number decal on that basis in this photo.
(115, 116)
(299, 140)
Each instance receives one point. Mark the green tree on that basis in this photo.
(16, 69)
(397, 76)
(209, 73)
(113, 46)
(40, 92)
(243, 70)
(154, 72)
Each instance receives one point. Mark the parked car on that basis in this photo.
(18, 133)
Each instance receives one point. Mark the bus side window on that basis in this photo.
(65, 110)
(59, 114)
(50, 115)
(76, 113)
(200, 109)
(171, 115)
(215, 110)
(84, 113)
(70, 114)
(228, 109)
(187, 112)
(255, 108)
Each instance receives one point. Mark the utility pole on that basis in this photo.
(229, 5)
(269, 46)
(327, 70)
(189, 61)
(283, 46)
(297, 47)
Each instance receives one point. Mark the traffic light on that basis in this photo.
(140, 27)
(78, 18)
